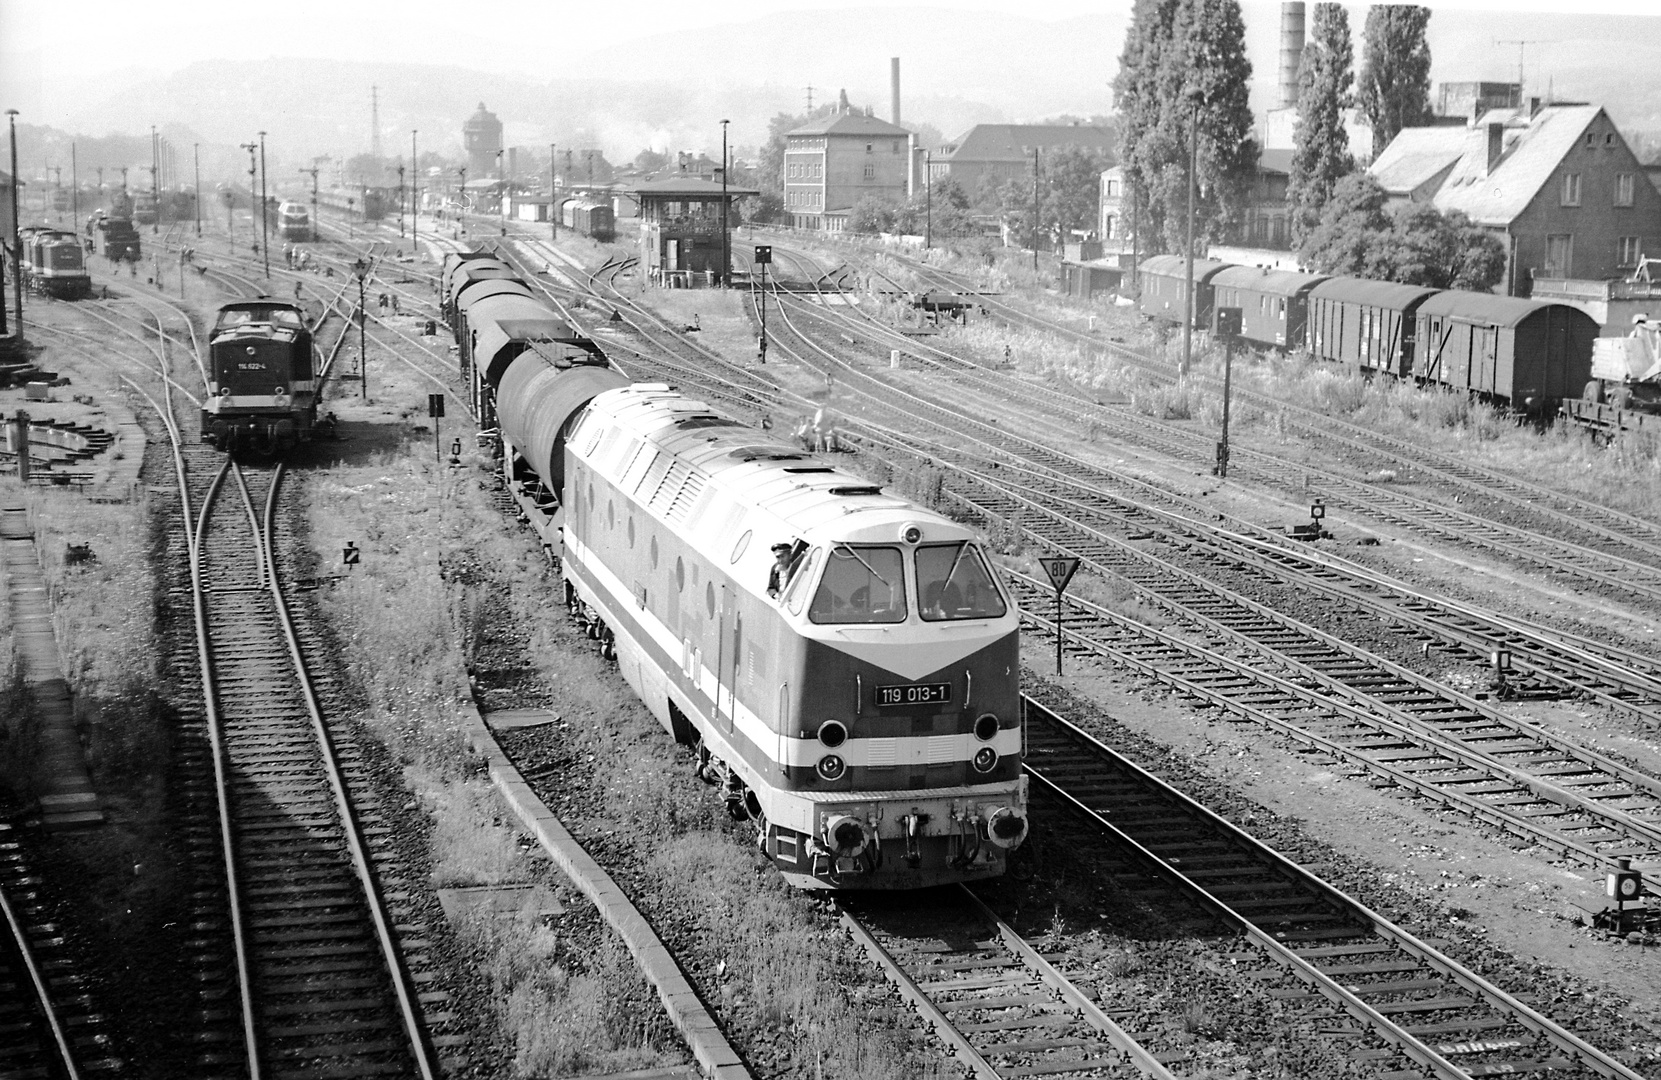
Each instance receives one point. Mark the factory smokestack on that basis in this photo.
(1291, 51)
(894, 87)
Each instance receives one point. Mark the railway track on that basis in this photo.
(48, 1027)
(1003, 1009)
(1615, 537)
(1408, 1008)
(1604, 810)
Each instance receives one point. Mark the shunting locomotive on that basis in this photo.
(54, 263)
(113, 237)
(293, 221)
(262, 393)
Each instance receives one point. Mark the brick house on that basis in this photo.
(1558, 183)
(1265, 225)
(831, 164)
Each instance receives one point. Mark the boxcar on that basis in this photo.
(1370, 324)
(1163, 281)
(1525, 352)
(1274, 304)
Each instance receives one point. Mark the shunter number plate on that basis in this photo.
(914, 694)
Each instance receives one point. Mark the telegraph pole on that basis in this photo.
(196, 151)
(726, 253)
(74, 192)
(553, 193)
(265, 213)
(414, 207)
(1035, 210)
(17, 251)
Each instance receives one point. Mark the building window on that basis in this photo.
(1623, 189)
(1609, 139)
(867, 148)
(1559, 254)
(870, 172)
(1591, 139)
(1571, 189)
(1626, 253)
(896, 146)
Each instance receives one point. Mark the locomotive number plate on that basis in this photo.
(914, 694)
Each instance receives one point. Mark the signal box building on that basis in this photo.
(681, 241)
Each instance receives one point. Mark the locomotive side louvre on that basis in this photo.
(262, 389)
(670, 515)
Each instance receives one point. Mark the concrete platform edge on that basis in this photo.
(715, 1056)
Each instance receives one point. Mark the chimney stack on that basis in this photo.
(1291, 51)
(1496, 145)
(894, 88)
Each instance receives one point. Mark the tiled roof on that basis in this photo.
(1014, 142)
(1275, 161)
(1416, 155)
(687, 185)
(1532, 152)
(849, 123)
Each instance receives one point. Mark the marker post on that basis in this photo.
(1060, 570)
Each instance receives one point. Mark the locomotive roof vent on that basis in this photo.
(851, 489)
(703, 420)
(764, 453)
(808, 468)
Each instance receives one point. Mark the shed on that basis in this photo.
(1525, 352)
(1164, 288)
(1274, 304)
(1366, 323)
(1086, 279)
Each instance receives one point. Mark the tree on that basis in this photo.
(1320, 146)
(1394, 90)
(1182, 59)
(1411, 243)
(650, 161)
(871, 215)
(1072, 185)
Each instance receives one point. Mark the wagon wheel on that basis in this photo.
(1619, 397)
(1593, 392)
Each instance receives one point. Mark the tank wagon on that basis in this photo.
(595, 220)
(293, 221)
(1529, 354)
(860, 702)
(262, 390)
(53, 263)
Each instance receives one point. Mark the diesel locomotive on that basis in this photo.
(845, 662)
(54, 263)
(262, 393)
(293, 221)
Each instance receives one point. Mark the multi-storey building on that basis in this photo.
(999, 152)
(1558, 183)
(831, 164)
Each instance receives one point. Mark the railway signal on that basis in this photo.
(1228, 328)
(1625, 886)
(349, 554)
(764, 256)
(435, 409)
(1060, 570)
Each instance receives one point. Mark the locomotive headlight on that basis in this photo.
(845, 836)
(1006, 827)
(833, 733)
(985, 759)
(911, 534)
(986, 727)
(831, 767)
(224, 391)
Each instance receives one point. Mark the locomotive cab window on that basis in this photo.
(953, 582)
(862, 583)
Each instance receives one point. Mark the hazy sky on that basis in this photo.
(57, 39)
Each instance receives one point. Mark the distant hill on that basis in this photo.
(958, 68)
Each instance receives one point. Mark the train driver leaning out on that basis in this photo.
(786, 557)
